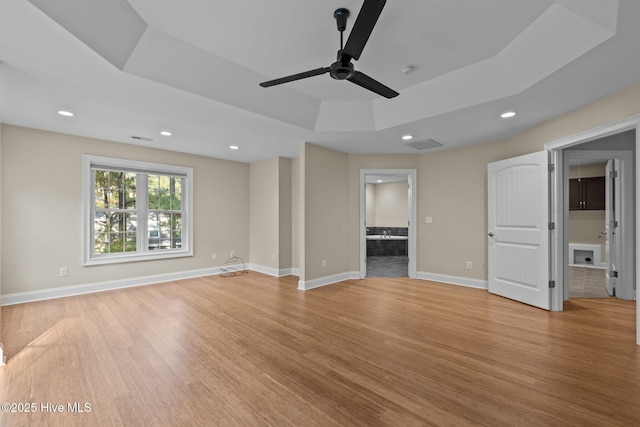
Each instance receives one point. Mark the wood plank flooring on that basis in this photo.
(251, 350)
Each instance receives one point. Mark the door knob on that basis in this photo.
(490, 234)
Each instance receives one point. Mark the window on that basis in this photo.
(135, 210)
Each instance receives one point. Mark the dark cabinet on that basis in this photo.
(587, 194)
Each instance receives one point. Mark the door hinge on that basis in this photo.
(552, 167)
(552, 226)
(615, 224)
(613, 273)
(552, 284)
(613, 174)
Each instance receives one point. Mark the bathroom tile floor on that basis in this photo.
(585, 282)
(387, 266)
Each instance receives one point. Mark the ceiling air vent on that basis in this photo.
(424, 144)
(141, 138)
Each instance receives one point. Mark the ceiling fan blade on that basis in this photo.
(362, 28)
(367, 82)
(294, 77)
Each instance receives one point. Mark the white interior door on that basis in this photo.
(518, 224)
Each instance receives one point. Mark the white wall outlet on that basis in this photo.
(273, 257)
(214, 256)
(233, 254)
(64, 272)
(324, 263)
(428, 219)
(469, 265)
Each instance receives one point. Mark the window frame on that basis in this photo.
(89, 162)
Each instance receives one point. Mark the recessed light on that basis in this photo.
(234, 147)
(165, 133)
(508, 114)
(66, 113)
(407, 137)
(379, 180)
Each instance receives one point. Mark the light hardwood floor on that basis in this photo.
(252, 350)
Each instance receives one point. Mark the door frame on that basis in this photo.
(557, 247)
(412, 242)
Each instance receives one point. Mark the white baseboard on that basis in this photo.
(270, 271)
(32, 296)
(305, 285)
(66, 291)
(453, 280)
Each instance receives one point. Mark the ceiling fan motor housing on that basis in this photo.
(341, 71)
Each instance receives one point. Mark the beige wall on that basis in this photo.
(370, 204)
(295, 213)
(452, 185)
(42, 210)
(325, 199)
(264, 212)
(391, 204)
(284, 213)
(1, 125)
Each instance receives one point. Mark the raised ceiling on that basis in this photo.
(193, 67)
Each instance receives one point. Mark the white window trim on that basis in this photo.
(87, 200)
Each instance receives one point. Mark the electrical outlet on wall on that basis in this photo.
(64, 272)
(214, 256)
(233, 254)
(324, 263)
(469, 265)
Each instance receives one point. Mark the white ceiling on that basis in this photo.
(192, 67)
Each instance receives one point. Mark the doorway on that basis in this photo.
(599, 218)
(617, 140)
(387, 223)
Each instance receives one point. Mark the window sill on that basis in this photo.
(117, 259)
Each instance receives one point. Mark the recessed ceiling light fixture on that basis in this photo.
(407, 137)
(66, 113)
(379, 180)
(234, 147)
(165, 133)
(508, 114)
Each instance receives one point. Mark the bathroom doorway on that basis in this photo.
(387, 218)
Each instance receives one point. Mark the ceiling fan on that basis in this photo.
(343, 69)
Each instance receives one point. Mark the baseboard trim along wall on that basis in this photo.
(67, 291)
(274, 271)
(452, 280)
(305, 285)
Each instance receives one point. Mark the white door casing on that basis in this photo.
(518, 225)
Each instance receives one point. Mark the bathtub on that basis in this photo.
(585, 255)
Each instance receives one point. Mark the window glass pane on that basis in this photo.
(100, 222)
(101, 244)
(101, 200)
(102, 180)
(115, 180)
(130, 181)
(131, 222)
(116, 222)
(176, 239)
(154, 190)
(176, 222)
(114, 197)
(176, 193)
(130, 242)
(129, 199)
(117, 242)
